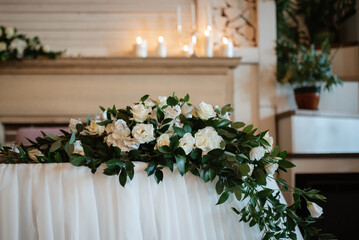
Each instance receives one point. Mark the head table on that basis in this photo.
(60, 201)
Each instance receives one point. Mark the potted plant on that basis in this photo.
(309, 71)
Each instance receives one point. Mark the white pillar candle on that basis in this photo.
(208, 18)
(227, 47)
(140, 48)
(161, 47)
(187, 51)
(193, 15)
(179, 21)
(208, 51)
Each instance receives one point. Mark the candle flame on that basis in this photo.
(139, 40)
(179, 28)
(206, 32)
(160, 39)
(185, 48)
(209, 27)
(225, 40)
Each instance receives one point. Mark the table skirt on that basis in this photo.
(60, 201)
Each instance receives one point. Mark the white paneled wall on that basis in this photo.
(97, 28)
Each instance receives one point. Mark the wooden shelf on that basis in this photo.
(121, 65)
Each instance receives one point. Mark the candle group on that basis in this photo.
(140, 48)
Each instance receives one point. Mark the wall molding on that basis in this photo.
(122, 65)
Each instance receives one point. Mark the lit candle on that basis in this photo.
(208, 18)
(187, 51)
(193, 15)
(140, 48)
(208, 44)
(227, 47)
(161, 47)
(179, 24)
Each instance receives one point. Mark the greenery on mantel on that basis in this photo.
(299, 63)
(201, 140)
(17, 46)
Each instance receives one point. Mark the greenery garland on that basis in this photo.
(17, 46)
(201, 140)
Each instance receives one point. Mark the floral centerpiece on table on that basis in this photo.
(201, 140)
(14, 45)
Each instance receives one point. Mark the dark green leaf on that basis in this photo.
(144, 98)
(238, 193)
(123, 177)
(223, 197)
(238, 124)
(56, 145)
(181, 163)
(260, 176)
(78, 161)
(219, 187)
(186, 98)
(158, 176)
(285, 164)
(171, 101)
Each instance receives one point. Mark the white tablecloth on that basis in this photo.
(60, 201)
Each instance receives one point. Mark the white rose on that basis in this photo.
(187, 110)
(78, 148)
(162, 101)
(33, 153)
(46, 48)
(19, 45)
(172, 112)
(2, 46)
(94, 128)
(251, 168)
(207, 139)
(187, 143)
(205, 111)
(226, 116)
(149, 103)
(270, 141)
(256, 153)
(140, 112)
(126, 144)
(143, 133)
(163, 140)
(177, 123)
(314, 209)
(271, 168)
(73, 123)
(119, 136)
(9, 32)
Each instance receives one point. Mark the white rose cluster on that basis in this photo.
(94, 128)
(19, 45)
(256, 153)
(314, 209)
(140, 112)
(187, 143)
(119, 136)
(73, 123)
(207, 139)
(205, 111)
(2, 46)
(269, 139)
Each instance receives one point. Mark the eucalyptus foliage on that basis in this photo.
(15, 45)
(229, 164)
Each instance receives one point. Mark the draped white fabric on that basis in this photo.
(60, 201)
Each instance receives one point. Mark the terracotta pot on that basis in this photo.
(307, 97)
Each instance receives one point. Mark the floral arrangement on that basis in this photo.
(17, 46)
(201, 140)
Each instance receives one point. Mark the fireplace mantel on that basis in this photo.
(121, 65)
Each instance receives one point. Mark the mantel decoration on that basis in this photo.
(14, 45)
(201, 140)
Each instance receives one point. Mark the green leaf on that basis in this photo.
(275, 151)
(265, 193)
(238, 193)
(260, 176)
(56, 145)
(80, 127)
(69, 148)
(219, 187)
(52, 136)
(158, 176)
(243, 169)
(216, 153)
(181, 132)
(285, 164)
(164, 149)
(144, 98)
(223, 123)
(171, 101)
(116, 162)
(248, 129)
(238, 125)
(187, 128)
(78, 161)
(223, 197)
(181, 163)
(160, 114)
(58, 157)
(123, 177)
(88, 120)
(186, 98)
(195, 153)
(72, 138)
